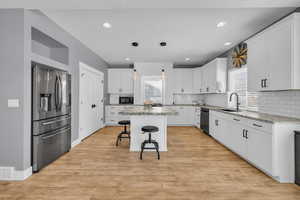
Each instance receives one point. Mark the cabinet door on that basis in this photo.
(173, 119)
(126, 81)
(212, 77)
(184, 80)
(279, 48)
(257, 62)
(204, 80)
(197, 76)
(213, 123)
(189, 115)
(235, 139)
(114, 81)
(260, 149)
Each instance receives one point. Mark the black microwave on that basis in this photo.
(125, 100)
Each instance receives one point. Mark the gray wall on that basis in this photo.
(15, 79)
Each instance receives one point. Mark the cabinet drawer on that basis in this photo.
(259, 125)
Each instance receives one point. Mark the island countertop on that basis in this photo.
(141, 110)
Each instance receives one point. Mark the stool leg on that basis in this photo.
(142, 150)
(118, 139)
(157, 150)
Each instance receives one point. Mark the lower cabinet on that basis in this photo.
(184, 117)
(252, 144)
(260, 149)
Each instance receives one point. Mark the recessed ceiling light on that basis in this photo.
(134, 44)
(227, 43)
(163, 44)
(187, 59)
(127, 59)
(221, 24)
(106, 25)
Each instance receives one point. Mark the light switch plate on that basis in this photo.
(13, 103)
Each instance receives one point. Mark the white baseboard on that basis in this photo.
(10, 174)
(76, 142)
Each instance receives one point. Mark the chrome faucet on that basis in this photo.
(237, 100)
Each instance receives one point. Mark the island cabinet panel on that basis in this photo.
(273, 61)
(138, 137)
(120, 81)
(268, 146)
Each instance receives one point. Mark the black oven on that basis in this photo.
(125, 100)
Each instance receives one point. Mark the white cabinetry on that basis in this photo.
(120, 81)
(183, 81)
(197, 117)
(214, 76)
(267, 146)
(273, 61)
(197, 80)
(185, 116)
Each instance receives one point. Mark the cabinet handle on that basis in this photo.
(236, 119)
(217, 122)
(265, 83)
(257, 125)
(243, 133)
(246, 134)
(262, 83)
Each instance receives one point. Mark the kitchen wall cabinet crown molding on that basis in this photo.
(269, 147)
(273, 61)
(120, 81)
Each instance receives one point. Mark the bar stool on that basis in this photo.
(149, 130)
(125, 123)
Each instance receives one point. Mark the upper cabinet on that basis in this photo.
(183, 81)
(120, 81)
(214, 76)
(197, 80)
(273, 63)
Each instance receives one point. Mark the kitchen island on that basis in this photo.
(142, 116)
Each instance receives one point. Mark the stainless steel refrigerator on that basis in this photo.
(51, 114)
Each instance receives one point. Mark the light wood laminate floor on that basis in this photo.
(195, 167)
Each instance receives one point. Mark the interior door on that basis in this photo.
(85, 104)
(98, 101)
(91, 102)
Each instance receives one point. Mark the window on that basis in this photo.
(238, 83)
(153, 89)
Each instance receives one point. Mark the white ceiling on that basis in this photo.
(189, 33)
(125, 4)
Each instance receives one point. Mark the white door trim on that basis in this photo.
(83, 66)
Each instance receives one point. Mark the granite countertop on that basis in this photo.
(139, 110)
(262, 116)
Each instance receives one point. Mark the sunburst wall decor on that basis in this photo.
(239, 55)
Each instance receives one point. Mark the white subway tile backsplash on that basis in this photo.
(285, 103)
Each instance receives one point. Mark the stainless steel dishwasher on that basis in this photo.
(204, 121)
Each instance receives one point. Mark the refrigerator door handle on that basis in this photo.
(60, 92)
(56, 92)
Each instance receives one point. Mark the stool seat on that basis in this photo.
(124, 122)
(149, 129)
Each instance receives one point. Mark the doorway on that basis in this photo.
(91, 111)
